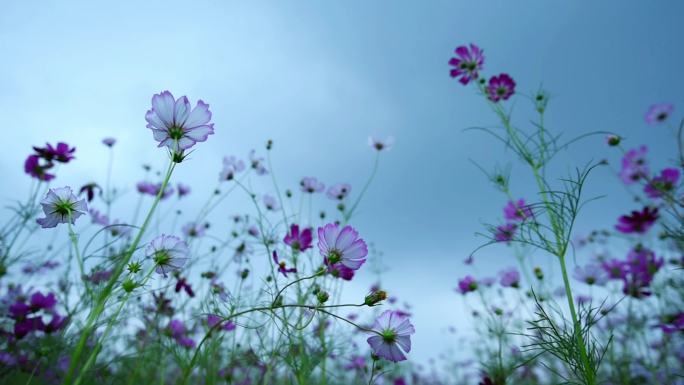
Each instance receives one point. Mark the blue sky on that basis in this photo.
(320, 77)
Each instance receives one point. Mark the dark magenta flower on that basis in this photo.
(341, 245)
(634, 166)
(298, 240)
(182, 284)
(339, 191)
(213, 320)
(517, 211)
(282, 267)
(99, 276)
(89, 189)
(467, 63)
(664, 183)
(658, 113)
(393, 335)
(339, 270)
(311, 185)
(39, 301)
(33, 167)
(467, 284)
(505, 233)
(642, 264)
(500, 87)
(672, 323)
(638, 221)
(60, 153)
(175, 124)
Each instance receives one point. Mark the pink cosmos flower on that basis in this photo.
(381, 144)
(339, 191)
(270, 203)
(658, 113)
(637, 221)
(500, 87)
(282, 267)
(341, 246)
(231, 166)
(394, 335)
(109, 141)
(663, 183)
(311, 185)
(634, 165)
(517, 211)
(175, 124)
(60, 205)
(467, 284)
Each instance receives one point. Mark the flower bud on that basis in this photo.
(322, 297)
(375, 297)
(538, 273)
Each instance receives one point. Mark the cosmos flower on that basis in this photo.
(339, 191)
(500, 87)
(663, 183)
(60, 205)
(298, 240)
(467, 63)
(183, 190)
(381, 145)
(282, 269)
(182, 284)
(341, 246)
(109, 141)
(231, 166)
(637, 221)
(341, 271)
(394, 335)
(60, 153)
(257, 163)
(517, 211)
(153, 189)
(505, 233)
(615, 268)
(99, 276)
(169, 253)
(175, 125)
(634, 166)
(658, 113)
(467, 284)
(672, 323)
(97, 217)
(33, 167)
(591, 274)
(270, 202)
(510, 277)
(89, 189)
(213, 320)
(178, 331)
(311, 185)
(642, 265)
(193, 230)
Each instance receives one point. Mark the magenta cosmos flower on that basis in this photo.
(298, 240)
(175, 124)
(60, 205)
(664, 183)
(517, 211)
(169, 253)
(637, 221)
(341, 246)
(183, 190)
(634, 166)
(60, 153)
(658, 113)
(505, 233)
(467, 284)
(500, 87)
(282, 266)
(339, 191)
(393, 335)
(467, 63)
(33, 167)
(311, 185)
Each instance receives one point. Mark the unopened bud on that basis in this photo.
(375, 297)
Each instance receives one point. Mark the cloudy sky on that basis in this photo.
(320, 77)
